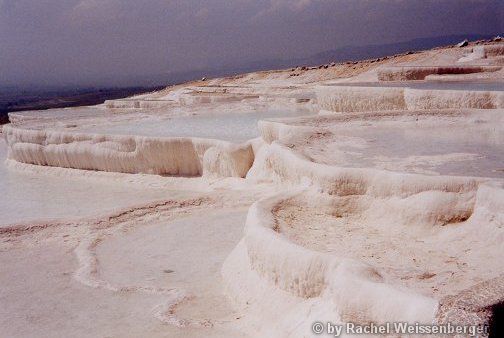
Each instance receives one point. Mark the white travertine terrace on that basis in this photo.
(405, 73)
(347, 99)
(375, 195)
(127, 154)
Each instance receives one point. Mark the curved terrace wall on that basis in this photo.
(349, 289)
(348, 286)
(125, 154)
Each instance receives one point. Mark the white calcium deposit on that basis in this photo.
(256, 205)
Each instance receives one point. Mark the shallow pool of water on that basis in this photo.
(457, 150)
(235, 127)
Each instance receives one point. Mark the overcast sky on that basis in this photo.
(52, 42)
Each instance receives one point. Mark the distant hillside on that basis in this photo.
(348, 53)
(13, 99)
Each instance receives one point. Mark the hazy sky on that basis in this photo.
(114, 41)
